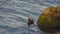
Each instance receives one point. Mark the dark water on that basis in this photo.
(14, 14)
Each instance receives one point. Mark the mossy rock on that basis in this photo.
(49, 20)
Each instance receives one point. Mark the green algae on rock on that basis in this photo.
(49, 20)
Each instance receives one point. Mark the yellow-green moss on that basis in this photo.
(50, 18)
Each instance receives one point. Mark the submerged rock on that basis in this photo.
(49, 20)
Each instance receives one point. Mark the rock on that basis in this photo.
(30, 21)
(49, 20)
